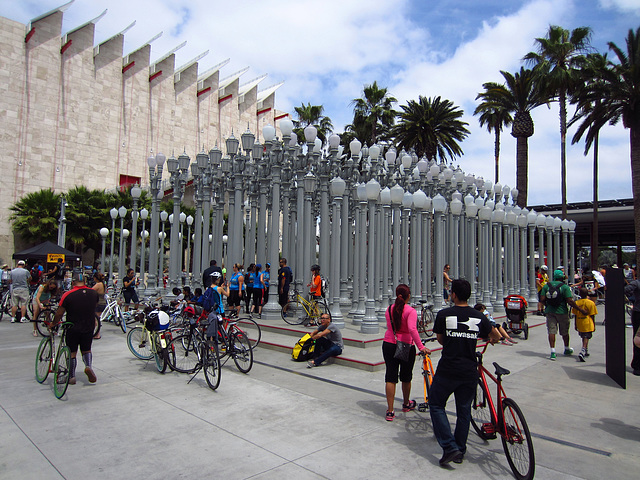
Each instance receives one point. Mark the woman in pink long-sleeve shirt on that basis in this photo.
(402, 319)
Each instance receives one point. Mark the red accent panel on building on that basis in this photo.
(281, 116)
(128, 66)
(154, 76)
(127, 181)
(30, 34)
(260, 112)
(203, 91)
(220, 100)
(65, 47)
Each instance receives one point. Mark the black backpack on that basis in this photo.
(554, 296)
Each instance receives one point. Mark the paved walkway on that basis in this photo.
(283, 420)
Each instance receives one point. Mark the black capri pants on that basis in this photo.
(393, 364)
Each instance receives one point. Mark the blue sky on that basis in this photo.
(325, 52)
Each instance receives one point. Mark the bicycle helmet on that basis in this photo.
(189, 311)
(216, 275)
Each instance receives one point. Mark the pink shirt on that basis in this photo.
(408, 331)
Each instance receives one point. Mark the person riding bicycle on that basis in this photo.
(43, 295)
(458, 329)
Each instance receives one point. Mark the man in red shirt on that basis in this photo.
(79, 304)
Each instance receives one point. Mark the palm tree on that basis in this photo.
(593, 70)
(35, 216)
(518, 95)
(432, 127)
(614, 96)
(87, 213)
(312, 115)
(494, 117)
(373, 115)
(558, 56)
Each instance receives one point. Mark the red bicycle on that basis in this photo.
(505, 419)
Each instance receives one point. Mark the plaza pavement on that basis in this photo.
(284, 421)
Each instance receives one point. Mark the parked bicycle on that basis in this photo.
(427, 376)
(299, 310)
(503, 418)
(56, 361)
(426, 318)
(147, 342)
(5, 303)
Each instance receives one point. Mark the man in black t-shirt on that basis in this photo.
(285, 277)
(206, 275)
(79, 304)
(458, 329)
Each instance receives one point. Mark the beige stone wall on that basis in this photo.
(76, 118)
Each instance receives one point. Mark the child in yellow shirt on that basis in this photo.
(585, 324)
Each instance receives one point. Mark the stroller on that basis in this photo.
(516, 308)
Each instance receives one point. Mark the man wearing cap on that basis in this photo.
(19, 291)
(541, 280)
(79, 304)
(555, 298)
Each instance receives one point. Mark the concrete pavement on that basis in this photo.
(283, 420)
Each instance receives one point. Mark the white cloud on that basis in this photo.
(624, 5)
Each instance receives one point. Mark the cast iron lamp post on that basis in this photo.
(370, 320)
(104, 231)
(155, 184)
(178, 169)
(161, 236)
(122, 212)
(338, 186)
(144, 214)
(136, 191)
(114, 214)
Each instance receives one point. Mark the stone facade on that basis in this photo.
(74, 114)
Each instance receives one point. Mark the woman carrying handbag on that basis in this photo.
(399, 351)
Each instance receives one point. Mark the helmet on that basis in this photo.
(216, 274)
(544, 267)
(189, 311)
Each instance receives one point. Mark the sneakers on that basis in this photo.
(24, 320)
(453, 456)
(389, 416)
(409, 406)
(568, 351)
(512, 341)
(581, 356)
(72, 381)
(13, 320)
(506, 342)
(311, 364)
(90, 375)
(552, 356)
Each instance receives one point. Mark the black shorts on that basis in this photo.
(77, 338)
(283, 298)
(234, 298)
(130, 295)
(393, 364)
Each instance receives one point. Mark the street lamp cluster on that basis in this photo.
(371, 220)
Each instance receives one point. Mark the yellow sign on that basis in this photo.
(54, 257)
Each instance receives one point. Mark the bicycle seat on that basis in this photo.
(422, 301)
(500, 370)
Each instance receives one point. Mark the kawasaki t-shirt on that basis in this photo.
(461, 327)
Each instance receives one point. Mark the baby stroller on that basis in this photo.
(516, 308)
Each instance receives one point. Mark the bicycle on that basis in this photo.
(5, 303)
(145, 344)
(190, 353)
(299, 310)
(504, 418)
(252, 329)
(235, 344)
(49, 360)
(426, 318)
(113, 313)
(427, 373)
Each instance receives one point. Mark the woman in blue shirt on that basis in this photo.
(236, 286)
(258, 289)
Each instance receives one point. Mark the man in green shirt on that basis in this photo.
(556, 297)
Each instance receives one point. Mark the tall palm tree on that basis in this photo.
(558, 55)
(593, 69)
(432, 127)
(373, 114)
(35, 216)
(495, 118)
(518, 95)
(312, 115)
(615, 96)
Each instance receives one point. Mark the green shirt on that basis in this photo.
(565, 291)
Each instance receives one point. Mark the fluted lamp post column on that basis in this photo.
(337, 186)
(397, 193)
(498, 219)
(370, 320)
(104, 231)
(136, 191)
(124, 234)
(522, 225)
(144, 214)
(439, 208)
(114, 214)
(188, 263)
(161, 236)
(122, 212)
(155, 183)
(471, 212)
(533, 292)
(484, 215)
(541, 221)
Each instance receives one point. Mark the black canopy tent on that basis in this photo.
(42, 251)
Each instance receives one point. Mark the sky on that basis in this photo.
(326, 52)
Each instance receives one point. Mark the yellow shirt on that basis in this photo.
(585, 323)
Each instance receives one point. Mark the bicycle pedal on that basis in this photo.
(422, 407)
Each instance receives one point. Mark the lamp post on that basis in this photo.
(122, 212)
(370, 320)
(161, 236)
(522, 225)
(532, 216)
(484, 214)
(397, 193)
(471, 212)
(104, 231)
(497, 219)
(338, 186)
(114, 214)
(155, 182)
(225, 239)
(144, 214)
(310, 182)
(124, 234)
(541, 221)
(189, 223)
(62, 222)
(439, 207)
(178, 169)
(136, 191)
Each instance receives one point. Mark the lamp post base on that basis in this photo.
(271, 310)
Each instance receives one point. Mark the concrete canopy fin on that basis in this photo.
(232, 78)
(96, 49)
(262, 94)
(244, 88)
(152, 68)
(176, 75)
(125, 59)
(206, 74)
(60, 9)
(94, 21)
